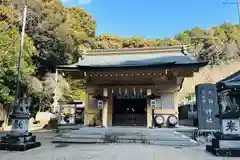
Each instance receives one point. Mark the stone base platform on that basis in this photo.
(19, 147)
(225, 146)
(18, 142)
(224, 152)
(157, 136)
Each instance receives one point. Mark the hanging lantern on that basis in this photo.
(149, 91)
(100, 104)
(153, 104)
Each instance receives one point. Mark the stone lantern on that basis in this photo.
(227, 142)
(19, 139)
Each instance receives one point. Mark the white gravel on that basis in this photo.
(110, 152)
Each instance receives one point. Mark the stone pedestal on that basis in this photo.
(18, 142)
(227, 142)
(19, 139)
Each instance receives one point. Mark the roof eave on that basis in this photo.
(67, 67)
(229, 77)
(151, 66)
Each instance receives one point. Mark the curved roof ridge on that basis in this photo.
(136, 50)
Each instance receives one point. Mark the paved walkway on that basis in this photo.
(110, 152)
(50, 151)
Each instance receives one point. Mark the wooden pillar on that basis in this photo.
(86, 123)
(105, 108)
(149, 110)
(110, 108)
(176, 101)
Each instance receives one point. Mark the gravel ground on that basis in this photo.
(109, 152)
(49, 151)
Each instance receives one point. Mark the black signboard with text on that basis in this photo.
(207, 107)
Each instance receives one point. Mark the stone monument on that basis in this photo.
(207, 108)
(19, 139)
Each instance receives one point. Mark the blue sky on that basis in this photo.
(155, 18)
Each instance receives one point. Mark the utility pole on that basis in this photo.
(19, 139)
(238, 7)
(238, 4)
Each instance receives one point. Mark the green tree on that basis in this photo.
(9, 44)
(81, 21)
(183, 37)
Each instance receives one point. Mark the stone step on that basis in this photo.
(173, 136)
(129, 137)
(77, 140)
(173, 143)
(153, 142)
(126, 135)
(125, 131)
(129, 129)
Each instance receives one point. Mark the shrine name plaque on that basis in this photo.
(207, 107)
(130, 95)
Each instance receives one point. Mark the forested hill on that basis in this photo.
(58, 35)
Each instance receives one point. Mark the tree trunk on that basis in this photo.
(6, 120)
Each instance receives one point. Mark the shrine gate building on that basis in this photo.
(128, 79)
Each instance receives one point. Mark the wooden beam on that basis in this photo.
(137, 88)
(142, 72)
(151, 73)
(131, 81)
(126, 74)
(186, 73)
(165, 91)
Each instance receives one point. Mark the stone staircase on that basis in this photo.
(159, 136)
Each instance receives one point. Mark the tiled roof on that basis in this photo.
(136, 57)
